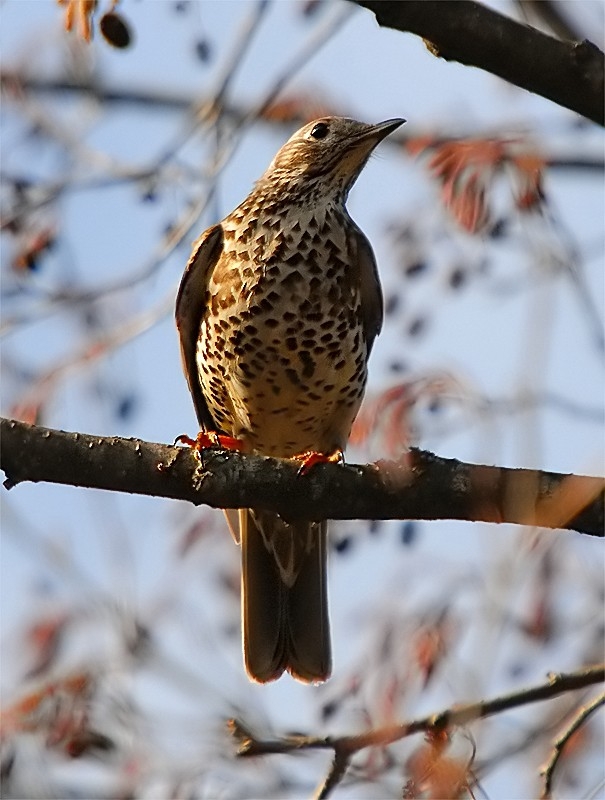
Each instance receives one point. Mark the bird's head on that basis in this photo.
(330, 149)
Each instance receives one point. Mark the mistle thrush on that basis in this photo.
(277, 312)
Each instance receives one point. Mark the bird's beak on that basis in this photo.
(366, 141)
(383, 129)
(357, 148)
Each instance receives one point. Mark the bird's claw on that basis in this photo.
(312, 457)
(206, 439)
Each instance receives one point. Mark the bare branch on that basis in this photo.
(336, 773)
(570, 74)
(579, 719)
(345, 747)
(419, 486)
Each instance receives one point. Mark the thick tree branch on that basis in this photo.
(420, 486)
(345, 747)
(568, 73)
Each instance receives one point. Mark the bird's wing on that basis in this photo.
(190, 305)
(369, 286)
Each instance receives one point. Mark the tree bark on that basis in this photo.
(420, 486)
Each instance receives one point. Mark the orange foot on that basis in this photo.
(210, 439)
(312, 457)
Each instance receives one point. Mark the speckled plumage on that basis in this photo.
(277, 313)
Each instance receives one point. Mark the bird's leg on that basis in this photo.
(210, 439)
(312, 457)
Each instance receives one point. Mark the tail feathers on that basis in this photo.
(285, 621)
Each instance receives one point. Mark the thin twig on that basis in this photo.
(463, 714)
(559, 743)
(165, 247)
(336, 773)
(344, 747)
(100, 346)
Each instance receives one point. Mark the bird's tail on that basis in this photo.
(284, 598)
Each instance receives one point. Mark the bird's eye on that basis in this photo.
(320, 131)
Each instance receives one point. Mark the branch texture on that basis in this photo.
(570, 74)
(420, 486)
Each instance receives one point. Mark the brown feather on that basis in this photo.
(285, 627)
(190, 306)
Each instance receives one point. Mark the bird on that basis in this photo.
(277, 312)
